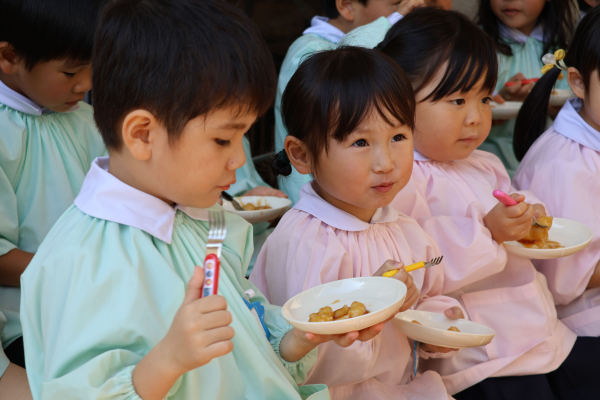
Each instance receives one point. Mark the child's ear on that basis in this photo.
(297, 154)
(9, 63)
(139, 131)
(576, 82)
(346, 9)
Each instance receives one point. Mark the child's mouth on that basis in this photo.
(511, 12)
(386, 187)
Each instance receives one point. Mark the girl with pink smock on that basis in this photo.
(452, 66)
(561, 166)
(351, 128)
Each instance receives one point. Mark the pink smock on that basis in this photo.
(563, 168)
(499, 290)
(316, 243)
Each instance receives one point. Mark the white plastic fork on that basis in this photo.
(217, 231)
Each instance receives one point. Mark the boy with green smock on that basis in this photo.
(111, 303)
(48, 138)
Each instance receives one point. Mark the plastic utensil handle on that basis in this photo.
(411, 267)
(211, 275)
(523, 82)
(504, 198)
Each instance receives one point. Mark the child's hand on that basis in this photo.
(265, 191)
(406, 6)
(412, 293)
(296, 344)
(452, 313)
(199, 332)
(518, 91)
(510, 223)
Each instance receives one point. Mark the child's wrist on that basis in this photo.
(295, 346)
(164, 352)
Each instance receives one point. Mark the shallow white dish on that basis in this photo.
(573, 235)
(508, 110)
(382, 297)
(279, 207)
(434, 330)
(560, 97)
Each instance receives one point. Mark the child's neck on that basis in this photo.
(342, 24)
(586, 117)
(364, 214)
(11, 82)
(131, 173)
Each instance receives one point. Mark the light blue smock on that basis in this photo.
(43, 161)
(99, 295)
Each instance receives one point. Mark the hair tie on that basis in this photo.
(283, 157)
(554, 60)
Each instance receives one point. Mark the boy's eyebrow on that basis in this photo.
(75, 64)
(233, 125)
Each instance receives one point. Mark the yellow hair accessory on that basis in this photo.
(552, 60)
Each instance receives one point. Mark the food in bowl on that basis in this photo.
(256, 207)
(537, 238)
(326, 314)
(454, 329)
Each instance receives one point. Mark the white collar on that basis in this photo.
(321, 27)
(520, 37)
(420, 157)
(18, 102)
(104, 196)
(569, 123)
(314, 204)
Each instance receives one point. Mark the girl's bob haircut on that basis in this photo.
(334, 91)
(429, 38)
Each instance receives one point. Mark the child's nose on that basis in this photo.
(474, 116)
(382, 162)
(238, 157)
(85, 83)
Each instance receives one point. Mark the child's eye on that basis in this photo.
(398, 138)
(486, 100)
(458, 102)
(224, 143)
(69, 74)
(360, 143)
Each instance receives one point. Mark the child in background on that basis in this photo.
(561, 167)
(358, 146)
(523, 31)
(342, 17)
(105, 310)
(48, 138)
(250, 183)
(452, 66)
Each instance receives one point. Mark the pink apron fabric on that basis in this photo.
(315, 243)
(563, 169)
(506, 293)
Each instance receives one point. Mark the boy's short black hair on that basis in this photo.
(331, 10)
(326, 99)
(429, 37)
(177, 59)
(47, 30)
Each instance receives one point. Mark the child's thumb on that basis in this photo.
(518, 197)
(194, 286)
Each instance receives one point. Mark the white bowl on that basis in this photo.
(382, 297)
(508, 110)
(573, 235)
(279, 207)
(434, 330)
(561, 97)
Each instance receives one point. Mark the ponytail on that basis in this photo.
(280, 165)
(531, 121)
